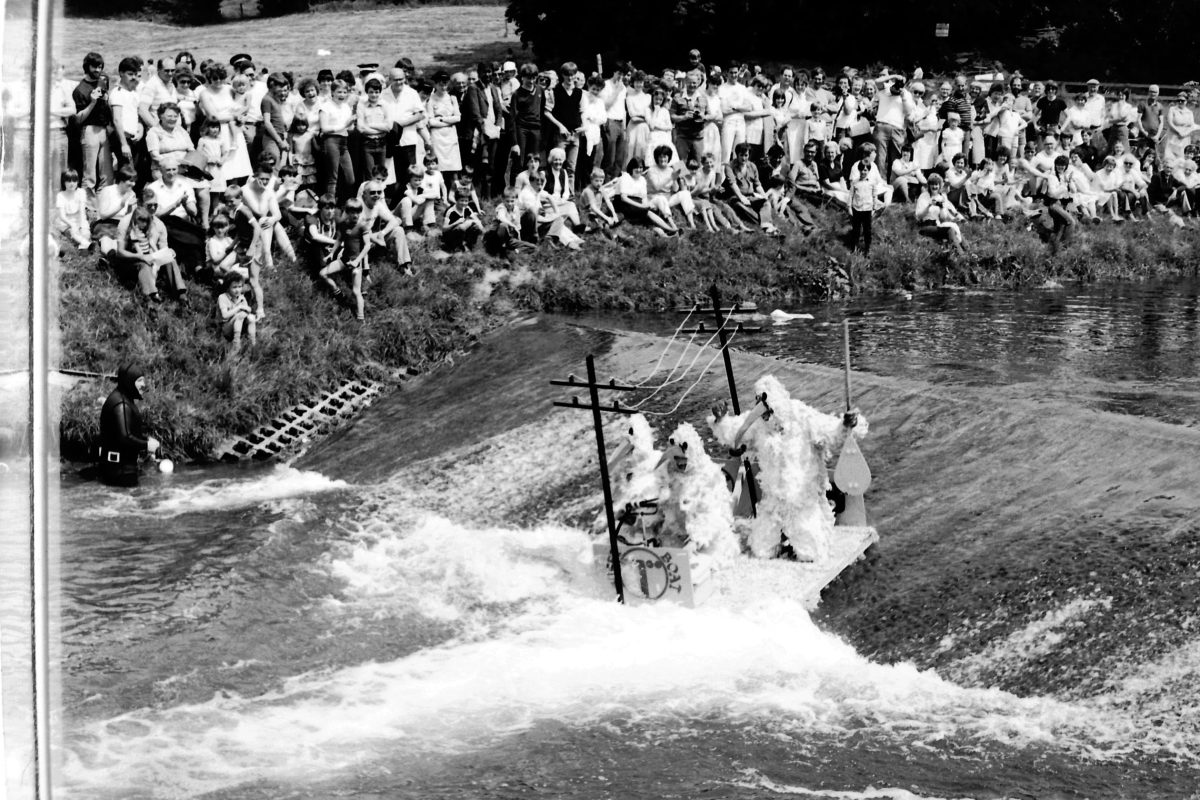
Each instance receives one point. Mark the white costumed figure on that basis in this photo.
(636, 480)
(695, 503)
(790, 443)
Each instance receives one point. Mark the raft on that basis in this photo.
(676, 575)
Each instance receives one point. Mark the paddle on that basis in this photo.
(851, 474)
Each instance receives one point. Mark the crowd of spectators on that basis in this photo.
(183, 170)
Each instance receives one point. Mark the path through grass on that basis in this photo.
(454, 36)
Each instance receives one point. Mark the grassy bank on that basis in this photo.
(310, 342)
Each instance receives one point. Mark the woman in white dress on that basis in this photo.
(662, 129)
(1177, 135)
(442, 115)
(215, 101)
(927, 125)
(637, 109)
(713, 114)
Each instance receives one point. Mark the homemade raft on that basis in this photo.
(681, 552)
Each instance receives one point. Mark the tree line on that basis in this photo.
(1128, 40)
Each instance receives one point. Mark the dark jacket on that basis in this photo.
(475, 107)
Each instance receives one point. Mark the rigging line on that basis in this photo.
(668, 347)
(700, 377)
(696, 358)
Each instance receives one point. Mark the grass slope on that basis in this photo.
(200, 397)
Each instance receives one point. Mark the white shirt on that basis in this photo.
(401, 107)
(613, 96)
(892, 107)
(154, 93)
(124, 102)
(170, 195)
(256, 93)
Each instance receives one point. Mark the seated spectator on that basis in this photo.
(169, 139)
(775, 175)
(1057, 196)
(114, 204)
(539, 220)
(936, 216)
(384, 229)
(1135, 189)
(142, 248)
(744, 191)
(907, 178)
(829, 169)
(707, 193)
(70, 211)
(598, 213)
(533, 163)
(664, 191)
(236, 316)
(259, 197)
(1183, 193)
(559, 185)
(981, 186)
(321, 233)
(1107, 184)
(416, 204)
(1080, 180)
(221, 252)
(462, 227)
(632, 199)
(505, 236)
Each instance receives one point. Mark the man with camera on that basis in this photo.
(896, 106)
(94, 119)
(687, 112)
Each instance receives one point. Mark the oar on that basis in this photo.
(852, 475)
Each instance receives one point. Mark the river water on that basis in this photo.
(407, 610)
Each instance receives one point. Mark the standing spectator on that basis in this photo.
(1177, 131)
(63, 129)
(593, 117)
(1121, 117)
(864, 191)
(1150, 119)
(661, 127)
(1023, 107)
(637, 112)
(687, 115)
(159, 88)
(216, 102)
(483, 111)
(94, 116)
(185, 94)
(613, 95)
(564, 111)
(1094, 108)
(443, 116)
(128, 132)
(272, 134)
(336, 119)
(926, 127)
(714, 114)
(407, 113)
(374, 126)
(1050, 109)
(735, 103)
(896, 107)
(758, 113)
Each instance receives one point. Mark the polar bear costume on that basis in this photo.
(791, 450)
(695, 503)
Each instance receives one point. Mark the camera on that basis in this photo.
(896, 86)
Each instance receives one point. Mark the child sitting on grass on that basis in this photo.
(461, 227)
(247, 235)
(415, 203)
(236, 316)
(221, 252)
(597, 209)
(70, 211)
(505, 236)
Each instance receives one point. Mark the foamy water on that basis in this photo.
(562, 655)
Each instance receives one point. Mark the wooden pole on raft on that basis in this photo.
(851, 474)
(715, 294)
(608, 501)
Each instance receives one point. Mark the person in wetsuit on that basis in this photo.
(121, 438)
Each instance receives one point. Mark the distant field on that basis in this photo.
(452, 36)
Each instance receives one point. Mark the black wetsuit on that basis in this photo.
(121, 436)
